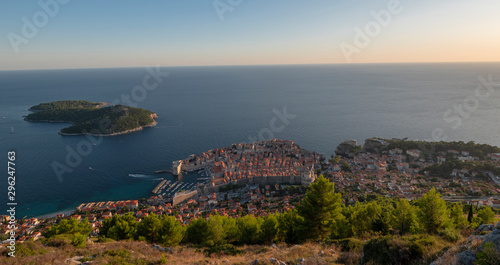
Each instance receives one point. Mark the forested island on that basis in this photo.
(93, 118)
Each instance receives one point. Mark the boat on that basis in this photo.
(11, 129)
(90, 168)
(137, 175)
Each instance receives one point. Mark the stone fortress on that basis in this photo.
(262, 162)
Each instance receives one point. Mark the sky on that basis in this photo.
(58, 34)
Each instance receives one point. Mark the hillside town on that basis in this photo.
(399, 174)
(242, 176)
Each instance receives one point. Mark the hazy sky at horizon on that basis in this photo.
(88, 34)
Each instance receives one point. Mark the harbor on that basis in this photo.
(168, 188)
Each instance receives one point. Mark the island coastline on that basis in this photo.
(85, 117)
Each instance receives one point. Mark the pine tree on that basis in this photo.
(433, 212)
(269, 229)
(486, 214)
(150, 228)
(318, 209)
(404, 216)
(288, 227)
(196, 232)
(249, 228)
(172, 232)
(471, 214)
(456, 215)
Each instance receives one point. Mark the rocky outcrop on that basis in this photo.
(346, 147)
(375, 145)
(493, 237)
(466, 258)
(162, 249)
(466, 254)
(76, 260)
(483, 228)
(267, 261)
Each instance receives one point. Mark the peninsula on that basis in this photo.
(262, 162)
(100, 119)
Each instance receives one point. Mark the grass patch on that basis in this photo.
(349, 244)
(226, 249)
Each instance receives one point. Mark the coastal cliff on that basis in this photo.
(346, 148)
(375, 145)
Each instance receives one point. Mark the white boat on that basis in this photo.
(137, 175)
(90, 168)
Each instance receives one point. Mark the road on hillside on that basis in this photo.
(494, 178)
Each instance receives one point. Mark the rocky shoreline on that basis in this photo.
(153, 124)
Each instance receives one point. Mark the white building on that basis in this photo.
(415, 153)
(494, 156)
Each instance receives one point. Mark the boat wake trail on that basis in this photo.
(141, 176)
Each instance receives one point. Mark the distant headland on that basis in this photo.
(93, 118)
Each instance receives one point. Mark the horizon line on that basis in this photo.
(228, 65)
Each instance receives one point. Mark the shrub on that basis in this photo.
(84, 259)
(392, 250)
(450, 234)
(349, 258)
(123, 253)
(486, 214)
(69, 226)
(424, 240)
(349, 244)
(78, 240)
(162, 260)
(103, 239)
(226, 249)
(489, 255)
(29, 248)
(58, 241)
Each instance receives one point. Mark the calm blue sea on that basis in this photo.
(200, 108)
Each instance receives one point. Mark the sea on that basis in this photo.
(201, 108)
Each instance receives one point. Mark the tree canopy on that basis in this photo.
(318, 208)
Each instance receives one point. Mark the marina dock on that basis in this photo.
(158, 187)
